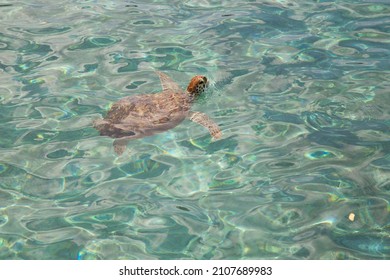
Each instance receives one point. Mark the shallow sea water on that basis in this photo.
(300, 90)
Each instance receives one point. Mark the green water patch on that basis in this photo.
(93, 43)
(320, 154)
(3, 168)
(319, 120)
(61, 153)
(142, 168)
(206, 144)
(383, 163)
(39, 136)
(48, 30)
(25, 67)
(112, 219)
(3, 219)
(88, 68)
(135, 85)
(62, 250)
(371, 245)
(144, 22)
(47, 223)
(35, 48)
(6, 197)
(169, 57)
(226, 180)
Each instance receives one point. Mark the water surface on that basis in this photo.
(300, 90)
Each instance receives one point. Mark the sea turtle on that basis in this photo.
(143, 115)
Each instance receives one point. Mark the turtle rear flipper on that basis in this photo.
(205, 121)
(120, 146)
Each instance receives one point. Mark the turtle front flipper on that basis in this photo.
(168, 84)
(205, 121)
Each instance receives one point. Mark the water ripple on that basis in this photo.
(299, 89)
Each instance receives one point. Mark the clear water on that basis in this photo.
(300, 90)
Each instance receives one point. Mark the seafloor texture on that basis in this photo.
(300, 90)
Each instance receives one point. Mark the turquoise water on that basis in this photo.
(300, 90)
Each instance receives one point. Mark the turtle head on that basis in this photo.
(197, 85)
